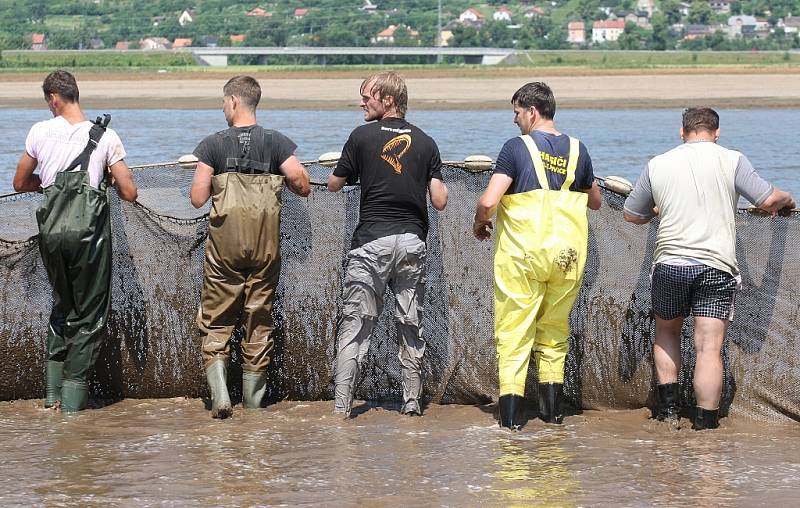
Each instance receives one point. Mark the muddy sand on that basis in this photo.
(441, 89)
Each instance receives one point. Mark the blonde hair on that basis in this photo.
(389, 84)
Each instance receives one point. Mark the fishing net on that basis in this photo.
(152, 348)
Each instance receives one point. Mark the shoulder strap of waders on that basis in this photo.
(538, 164)
(260, 150)
(572, 163)
(95, 133)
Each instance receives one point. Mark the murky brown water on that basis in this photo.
(170, 453)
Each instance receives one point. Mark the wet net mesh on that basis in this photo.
(152, 347)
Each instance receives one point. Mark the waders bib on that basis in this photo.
(242, 259)
(540, 254)
(75, 243)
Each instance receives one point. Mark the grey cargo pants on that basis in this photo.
(398, 260)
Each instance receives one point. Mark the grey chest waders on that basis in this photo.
(241, 270)
(75, 243)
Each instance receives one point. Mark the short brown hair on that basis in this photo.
(61, 83)
(538, 95)
(245, 88)
(389, 84)
(700, 119)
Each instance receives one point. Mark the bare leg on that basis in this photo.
(708, 336)
(667, 349)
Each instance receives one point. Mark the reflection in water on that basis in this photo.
(535, 471)
(170, 453)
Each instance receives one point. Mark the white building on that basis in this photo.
(608, 30)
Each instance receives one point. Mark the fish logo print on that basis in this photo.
(394, 149)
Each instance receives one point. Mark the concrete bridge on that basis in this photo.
(219, 56)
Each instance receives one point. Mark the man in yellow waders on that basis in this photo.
(542, 183)
(242, 169)
(72, 155)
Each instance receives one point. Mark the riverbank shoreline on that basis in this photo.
(429, 89)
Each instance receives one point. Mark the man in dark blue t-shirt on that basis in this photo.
(542, 183)
(397, 165)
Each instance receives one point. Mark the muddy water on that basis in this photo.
(170, 453)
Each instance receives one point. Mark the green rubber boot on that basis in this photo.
(254, 387)
(217, 376)
(74, 396)
(55, 377)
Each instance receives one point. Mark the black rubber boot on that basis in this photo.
(669, 406)
(550, 395)
(706, 419)
(510, 406)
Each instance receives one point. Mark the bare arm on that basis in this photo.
(438, 193)
(776, 201)
(123, 181)
(635, 219)
(296, 176)
(595, 200)
(487, 205)
(335, 183)
(201, 184)
(24, 179)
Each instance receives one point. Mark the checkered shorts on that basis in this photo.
(697, 289)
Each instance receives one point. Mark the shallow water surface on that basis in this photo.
(171, 453)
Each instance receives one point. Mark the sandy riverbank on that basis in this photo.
(437, 89)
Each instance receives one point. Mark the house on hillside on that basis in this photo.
(259, 12)
(154, 43)
(369, 7)
(300, 13)
(443, 39)
(721, 6)
(534, 12)
(576, 32)
(237, 40)
(186, 17)
(96, 43)
(209, 41)
(181, 42)
(638, 18)
(742, 26)
(647, 6)
(38, 41)
(696, 32)
(608, 30)
(472, 17)
(502, 14)
(790, 24)
(387, 35)
(122, 45)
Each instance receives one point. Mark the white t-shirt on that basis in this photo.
(55, 143)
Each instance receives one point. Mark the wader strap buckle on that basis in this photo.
(95, 133)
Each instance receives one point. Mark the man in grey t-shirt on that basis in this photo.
(694, 189)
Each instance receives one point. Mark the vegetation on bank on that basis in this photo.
(183, 62)
(79, 24)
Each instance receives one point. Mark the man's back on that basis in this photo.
(55, 143)
(694, 188)
(394, 162)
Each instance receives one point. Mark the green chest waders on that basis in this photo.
(241, 268)
(75, 243)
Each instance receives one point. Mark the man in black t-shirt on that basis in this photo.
(242, 169)
(397, 165)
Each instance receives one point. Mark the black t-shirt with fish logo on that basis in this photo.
(394, 161)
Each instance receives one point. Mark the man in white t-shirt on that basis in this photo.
(694, 189)
(74, 232)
